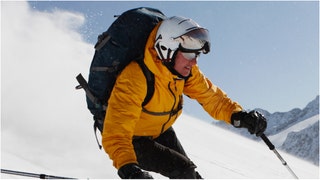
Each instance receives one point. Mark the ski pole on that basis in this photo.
(272, 148)
(26, 174)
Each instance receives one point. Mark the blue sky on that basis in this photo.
(265, 54)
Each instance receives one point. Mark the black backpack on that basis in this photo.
(123, 42)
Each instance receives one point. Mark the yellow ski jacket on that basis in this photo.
(126, 117)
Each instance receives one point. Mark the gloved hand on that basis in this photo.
(133, 171)
(254, 121)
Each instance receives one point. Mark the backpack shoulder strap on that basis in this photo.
(150, 81)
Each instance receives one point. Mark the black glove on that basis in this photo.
(253, 121)
(133, 171)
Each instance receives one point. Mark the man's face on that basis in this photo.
(184, 62)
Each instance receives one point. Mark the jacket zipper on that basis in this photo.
(174, 104)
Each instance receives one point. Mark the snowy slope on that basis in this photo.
(46, 128)
(218, 153)
(222, 154)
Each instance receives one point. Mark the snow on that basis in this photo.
(218, 153)
(227, 155)
(296, 131)
(304, 143)
(46, 128)
(281, 137)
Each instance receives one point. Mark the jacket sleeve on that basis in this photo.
(123, 111)
(212, 98)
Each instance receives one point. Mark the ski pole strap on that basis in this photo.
(267, 141)
(27, 174)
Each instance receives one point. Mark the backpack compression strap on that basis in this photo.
(84, 85)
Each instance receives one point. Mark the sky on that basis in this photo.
(46, 128)
(264, 54)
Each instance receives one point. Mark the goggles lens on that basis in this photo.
(190, 55)
(194, 41)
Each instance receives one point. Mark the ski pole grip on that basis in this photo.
(267, 141)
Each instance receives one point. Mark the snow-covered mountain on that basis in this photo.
(295, 131)
(304, 143)
(279, 121)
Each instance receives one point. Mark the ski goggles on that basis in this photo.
(190, 55)
(195, 41)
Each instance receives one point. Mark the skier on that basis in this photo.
(141, 139)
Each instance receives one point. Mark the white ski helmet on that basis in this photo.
(180, 33)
